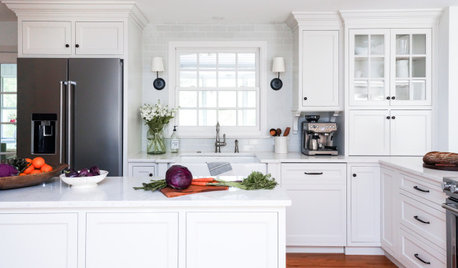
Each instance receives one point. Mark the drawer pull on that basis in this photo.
(420, 259)
(313, 173)
(151, 174)
(421, 190)
(420, 220)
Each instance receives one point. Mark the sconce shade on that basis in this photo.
(157, 65)
(278, 65)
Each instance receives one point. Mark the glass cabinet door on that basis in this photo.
(411, 67)
(369, 68)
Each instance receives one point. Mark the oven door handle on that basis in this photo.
(452, 209)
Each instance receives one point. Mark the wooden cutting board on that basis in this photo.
(193, 189)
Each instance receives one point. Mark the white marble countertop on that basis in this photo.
(119, 192)
(414, 165)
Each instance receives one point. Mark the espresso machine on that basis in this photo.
(318, 137)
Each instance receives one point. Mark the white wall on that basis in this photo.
(279, 40)
(447, 108)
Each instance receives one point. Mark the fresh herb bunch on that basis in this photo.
(255, 181)
(154, 185)
(19, 163)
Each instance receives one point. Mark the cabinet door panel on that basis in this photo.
(38, 240)
(369, 132)
(320, 62)
(410, 132)
(228, 240)
(143, 171)
(46, 37)
(132, 240)
(102, 38)
(389, 196)
(364, 206)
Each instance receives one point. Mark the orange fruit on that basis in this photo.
(22, 174)
(28, 160)
(29, 169)
(36, 171)
(38, 162)
(46, 168)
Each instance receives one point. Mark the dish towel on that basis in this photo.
(217, 168)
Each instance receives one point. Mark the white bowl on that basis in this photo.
(84, 182)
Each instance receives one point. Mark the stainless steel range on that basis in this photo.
(450, 187)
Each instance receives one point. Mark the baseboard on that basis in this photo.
(314, 250)
(393, 260)
(364, 251)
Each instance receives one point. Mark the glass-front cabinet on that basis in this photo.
(390, 67)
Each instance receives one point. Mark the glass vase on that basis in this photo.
(155, 142)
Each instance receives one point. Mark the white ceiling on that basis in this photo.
(253, 11)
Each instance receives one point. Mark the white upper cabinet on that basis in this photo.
(320, 69)
(369, 67)
(410, 132)
(411, 67)
(390, 67)
(369, 132)
(71, 38)
(99, 38)
(47, 37)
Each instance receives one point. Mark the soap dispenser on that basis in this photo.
(174, 141)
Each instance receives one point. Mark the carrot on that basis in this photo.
(200, 183)
(203, 180)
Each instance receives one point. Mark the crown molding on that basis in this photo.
(84, 9)
(315, 20)
(398, 18)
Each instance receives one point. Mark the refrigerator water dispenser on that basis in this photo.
(44, 133)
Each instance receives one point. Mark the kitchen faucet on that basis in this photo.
(218, 143)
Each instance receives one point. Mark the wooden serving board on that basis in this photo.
(193, 189)
(29, 180)
(441, 167)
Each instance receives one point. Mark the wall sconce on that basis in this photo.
(158, 66)
(278, 66)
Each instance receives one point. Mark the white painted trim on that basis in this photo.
(314, 20)
(231, 132)
(364, 251)
(315, 249)
(395, 18)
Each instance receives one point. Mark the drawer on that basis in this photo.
(143, 171)
(415, 252)
(313, 174)
(424, 220)
(422, 188)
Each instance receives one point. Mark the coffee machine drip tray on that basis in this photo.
(321, 152)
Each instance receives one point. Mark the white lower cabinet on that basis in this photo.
(227, 240)
(39, 240)
(389, 183)
(132, 240)
(317, 216)
(363, 205)
(417, 252)
(142, 170)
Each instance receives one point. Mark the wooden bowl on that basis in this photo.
(29, 180)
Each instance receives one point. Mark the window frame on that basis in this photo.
(231, 131)
(8, 58)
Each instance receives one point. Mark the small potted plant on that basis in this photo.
(156, 118)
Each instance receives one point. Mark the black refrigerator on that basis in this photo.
(70, 111)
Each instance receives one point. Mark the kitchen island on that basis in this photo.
(113, 225)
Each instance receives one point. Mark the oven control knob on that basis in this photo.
(453, 189)
(447, 186)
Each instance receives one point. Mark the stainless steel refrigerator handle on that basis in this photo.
(69, 121)
(61, 123)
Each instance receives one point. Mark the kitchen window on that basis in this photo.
(8, 106)
(218, 84)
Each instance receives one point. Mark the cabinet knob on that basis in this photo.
(393, 117)
(393, 97)
(388, 117)
(77, 45)
(305, 98)
(67, 45)
(388, 98)
(151, 175)
(354, 175)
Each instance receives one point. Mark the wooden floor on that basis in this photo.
(298, 260)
